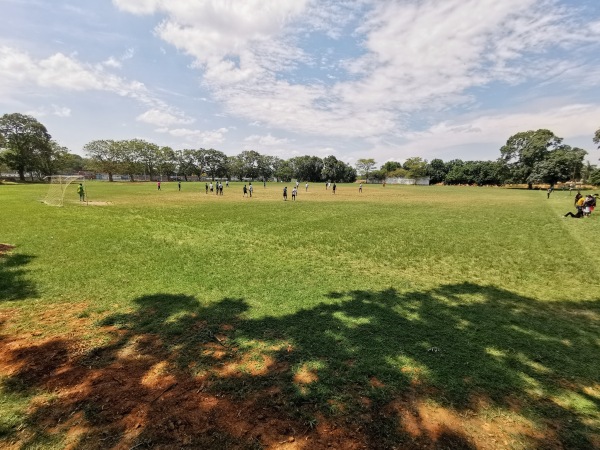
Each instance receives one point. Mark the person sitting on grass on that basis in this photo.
(588, 205)
(579, 206)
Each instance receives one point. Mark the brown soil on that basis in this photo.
(5, 248)
(129, 394)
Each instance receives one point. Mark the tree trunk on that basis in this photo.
(110, 176)
(22, 174)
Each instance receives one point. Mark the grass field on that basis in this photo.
(402, 317)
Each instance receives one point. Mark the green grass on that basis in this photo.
(356, 287)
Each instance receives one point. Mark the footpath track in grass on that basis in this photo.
(415, 317)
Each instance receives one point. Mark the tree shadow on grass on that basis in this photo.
(366, 369)
(14, 284)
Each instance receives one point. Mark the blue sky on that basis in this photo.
(354, 78)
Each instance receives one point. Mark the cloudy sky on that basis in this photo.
(382, 79)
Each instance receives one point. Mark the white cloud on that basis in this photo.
(164, 117)
(267, 140)
(112, 62)
(19, 70)
(61, 111)
(415, 56)
(200, 138)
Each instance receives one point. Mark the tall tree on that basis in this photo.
(307, 168)
(336, 170)
(390, 166)
(250, 160)
(437, 171)
(524, 150)
(105, 156)
(24, 138)
(129, 157)
(364, 166)
(597, 137)
(51, 159)
(562, 164)
(265, 167)
(216, 163)
(147, 155)
(416, 167)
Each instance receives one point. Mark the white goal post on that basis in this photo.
(58, 187)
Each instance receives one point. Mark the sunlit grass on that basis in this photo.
(472, 291)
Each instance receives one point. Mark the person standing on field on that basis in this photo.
(81, 192)
(250, 189)
(285, 193)
(306, 187)
(226, 183)
(294, 192)
(245, 190)
(206, 187)
(334, 187)
(360, 187)
(179, 185)
(158, 185)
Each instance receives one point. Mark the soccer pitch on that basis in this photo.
(402, 316)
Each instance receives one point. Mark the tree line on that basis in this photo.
(527, 158)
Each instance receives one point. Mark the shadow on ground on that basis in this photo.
(14, 284)
(461, 367)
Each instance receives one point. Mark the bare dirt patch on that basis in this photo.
(130, 392)
(95, 203)
(5, 249)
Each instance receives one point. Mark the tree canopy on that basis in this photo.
(26, 143)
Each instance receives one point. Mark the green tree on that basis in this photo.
(105, 156)
(282, 169)
(265, 167)
(562, 164)
(147, 155)
(437, 170)
(52, 159)
(415, 167)
(307, 168)
(595, 177)
(390, 166)
(597, 137)
(524, 150)
(364, 166)
(215, 163)
(129, 157)
(250, 161)
(24, 139)
(166, 163)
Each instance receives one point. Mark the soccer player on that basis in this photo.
(334, 187)
(158, 185)
(250, 189)
(285, 193)
(306, 187)
(81, 192)
(245, 190)
(294, 192)
(179, 185)
(360, 187)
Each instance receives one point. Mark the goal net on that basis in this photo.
(58, 187)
